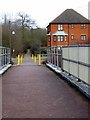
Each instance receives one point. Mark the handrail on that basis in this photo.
(4, 56)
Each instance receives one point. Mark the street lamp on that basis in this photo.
(10, 39)
(13, 33)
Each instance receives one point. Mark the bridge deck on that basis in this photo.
(32, 91)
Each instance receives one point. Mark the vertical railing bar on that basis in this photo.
(57, 56)
(4, 56)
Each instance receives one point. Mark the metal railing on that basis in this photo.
(4, 56)
(54, 56)
(75, 60)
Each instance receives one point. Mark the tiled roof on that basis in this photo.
(70, 16)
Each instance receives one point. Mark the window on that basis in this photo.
(60, 27)
(60, 38)
(49, 38)
(65, 38)
(83, 37)
(54, 37)
(83, 26)
(72, 26)
(72, 37)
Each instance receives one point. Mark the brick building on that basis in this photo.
(69, 28)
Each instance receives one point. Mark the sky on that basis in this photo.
(42, 11)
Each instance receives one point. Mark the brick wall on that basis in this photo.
(77, 31)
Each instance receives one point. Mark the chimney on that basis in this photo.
(89, 10)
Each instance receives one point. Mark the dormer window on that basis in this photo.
(60, 27)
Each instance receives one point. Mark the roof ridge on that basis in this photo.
(80, 14)
(70, 16)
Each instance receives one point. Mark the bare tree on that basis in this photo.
(25, 21)
(26, 35)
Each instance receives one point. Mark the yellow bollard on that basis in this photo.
(34, 59)
(32, 56)
(23, 56)
(39, 59)
(19, 60)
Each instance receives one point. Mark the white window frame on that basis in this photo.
(83, 37)
(60, 27)
(54, 37)
(72, 37)
(49, 38)
(72, 26)
(60, 38)
(65, 38)
(83, 26)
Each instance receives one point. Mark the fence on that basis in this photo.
(54, 56)
(74, 60)
(4, 56)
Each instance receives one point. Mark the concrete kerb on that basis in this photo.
(5, 69)
(82, 87)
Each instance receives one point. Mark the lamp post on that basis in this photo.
(10, 38)
(13, 50)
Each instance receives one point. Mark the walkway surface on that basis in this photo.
(32, 91)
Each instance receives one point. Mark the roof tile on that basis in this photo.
(70, 16)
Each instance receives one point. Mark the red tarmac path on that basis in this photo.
(32, 91)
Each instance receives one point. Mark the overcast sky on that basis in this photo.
(42, 11)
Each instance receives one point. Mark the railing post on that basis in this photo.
(54, 55)
(57, 56)
(61, 59)
(5, 56)
(78, 62)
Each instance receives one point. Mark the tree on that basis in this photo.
(27, 35)
(38, 39)
(25, 23)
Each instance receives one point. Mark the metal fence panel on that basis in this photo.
(65, 53)
(83, 73)
(73, 53)
(73, 59)
(66, 66)
(83, 54)
(4, 56)
(74, 69)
